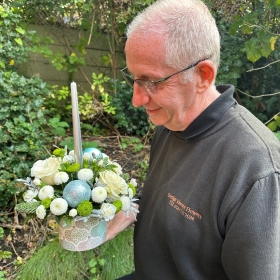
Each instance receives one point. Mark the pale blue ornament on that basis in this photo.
(75, 192)
(94, 152)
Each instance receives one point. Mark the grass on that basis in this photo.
(52, 262)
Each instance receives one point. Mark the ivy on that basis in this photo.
(22, 113)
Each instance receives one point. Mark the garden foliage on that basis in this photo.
(128, 119)
(22, 115)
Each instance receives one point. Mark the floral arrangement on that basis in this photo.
(60, 186)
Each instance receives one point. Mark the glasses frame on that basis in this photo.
(148, 84)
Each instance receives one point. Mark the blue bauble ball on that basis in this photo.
(75, 192)
(94, 152)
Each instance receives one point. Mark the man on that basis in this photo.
(210, 207)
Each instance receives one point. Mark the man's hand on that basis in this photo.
(120, 222)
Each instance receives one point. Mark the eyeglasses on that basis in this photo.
(150, 86)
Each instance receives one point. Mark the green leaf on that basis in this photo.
(265, 50)
(234, 27)
(246, 29)
(252, 49)
(63, 124)
(272, 126)
(20, 30)
(5, 255)
(277, 134)
(19, 41)
(272, 42)
(2, 64)
(277, 120)
(58, 131)
(1, 232)
(91, 144)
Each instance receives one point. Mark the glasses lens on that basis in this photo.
(150, 87)
(127, 77)
(129, 80)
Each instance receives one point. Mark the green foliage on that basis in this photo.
(2, 274)
(22, 114)
(259, 25)
(274, 126)
(233, 61)
(250, 53)
(106, 102)
(5, 255)
(128, 119)
(13, 50)
(95, 266)
(21, 123)
(133, 141)
(1, 232)
(58, 127)
(69, 142)
(58, 264)
(142, 172)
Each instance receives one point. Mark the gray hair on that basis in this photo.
(189, 30)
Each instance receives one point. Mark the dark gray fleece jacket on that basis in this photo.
(210, 207)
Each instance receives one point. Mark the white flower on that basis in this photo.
(41, 212)
(85, 174)
(98, 194)
(73, 213)
(46, 169)
(46, 192)
(37, 182)
(69, 159)
(61, 177)
(125, 203)
(100, 162)
(104, 156)
(118, 168)
(133, 182)
(108, 211)
(72, 153)
(114, 184)
(29, 195)
(87, 156)
(58, 206)
(130, 193)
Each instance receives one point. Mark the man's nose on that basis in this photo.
(140, 96)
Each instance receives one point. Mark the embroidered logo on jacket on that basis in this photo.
(182, 208)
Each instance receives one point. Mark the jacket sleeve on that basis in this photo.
(251, 248)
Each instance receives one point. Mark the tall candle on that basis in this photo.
(76, 125)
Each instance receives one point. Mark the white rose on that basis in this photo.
(46, 169)
(29, 195)
(114, 184)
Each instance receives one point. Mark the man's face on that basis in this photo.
(174, 105)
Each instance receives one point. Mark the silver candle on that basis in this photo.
(76, 125)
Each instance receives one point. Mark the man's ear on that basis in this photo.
(206, 71)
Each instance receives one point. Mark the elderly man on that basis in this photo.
(210, 208)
